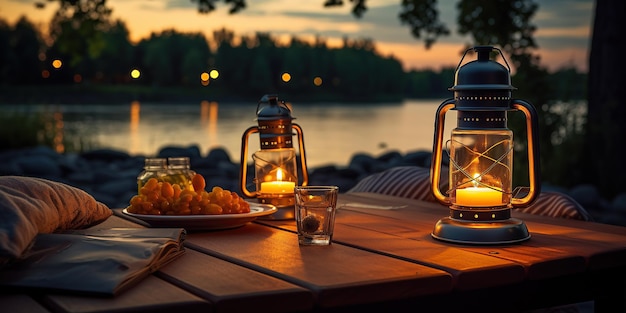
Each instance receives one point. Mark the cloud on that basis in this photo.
(564, 14)
(181, 4)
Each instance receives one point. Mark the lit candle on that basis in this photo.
(278, 186)
(478, 197)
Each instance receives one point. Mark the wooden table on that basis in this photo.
(382, 257)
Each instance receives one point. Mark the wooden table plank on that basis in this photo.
(20, 303)
(601, 249)
(337, 275)
(397, 238)
(232, 288)
(150, 295)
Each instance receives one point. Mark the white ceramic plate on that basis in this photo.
(206, 222)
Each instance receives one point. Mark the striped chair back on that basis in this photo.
(414, 182)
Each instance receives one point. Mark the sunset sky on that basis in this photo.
(563, 26)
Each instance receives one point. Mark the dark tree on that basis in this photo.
(20, 47)
(603, 163)
(77, 27)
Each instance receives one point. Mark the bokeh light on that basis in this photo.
(135, 73)
(286, 77)
(214, 74)
(57, 63)
(317, 81)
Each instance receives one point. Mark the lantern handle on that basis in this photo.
(305, 174)
(481, 50)
(534, 172)
(435, 164)
(244, 161)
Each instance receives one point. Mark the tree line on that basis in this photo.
(247, 65)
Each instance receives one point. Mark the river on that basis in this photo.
(333, 133)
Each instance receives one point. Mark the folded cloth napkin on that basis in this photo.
(29, 206)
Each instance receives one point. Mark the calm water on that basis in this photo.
(332, 132)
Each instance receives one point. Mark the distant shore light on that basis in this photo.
(317, 81)
(135, 73)
(286, 77)
(57, 63)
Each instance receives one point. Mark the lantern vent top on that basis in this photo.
(270, 108)
(482, 73)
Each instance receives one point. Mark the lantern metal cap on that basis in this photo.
(270, 108)
(482, 73)
(482, 84)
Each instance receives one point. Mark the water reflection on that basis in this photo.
(208, 120)
(135, 136)
(57, 132)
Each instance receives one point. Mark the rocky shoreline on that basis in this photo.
(110, 176)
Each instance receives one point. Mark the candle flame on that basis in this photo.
(476, 179)
(279, 174)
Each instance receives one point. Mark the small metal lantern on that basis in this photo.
(480, 194)
(276, 173)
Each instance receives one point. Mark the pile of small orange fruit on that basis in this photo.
(163, 198)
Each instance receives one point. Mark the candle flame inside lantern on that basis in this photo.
(476, 180)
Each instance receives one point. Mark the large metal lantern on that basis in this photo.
(276, 171)
(480, 193)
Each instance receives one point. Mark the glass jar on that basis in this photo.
(153, 168)
(179, 172)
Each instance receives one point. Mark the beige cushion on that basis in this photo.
(414, 182)
(29, 206)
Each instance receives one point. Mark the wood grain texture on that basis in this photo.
(150, 295)
(233, 288)
(338, 275)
